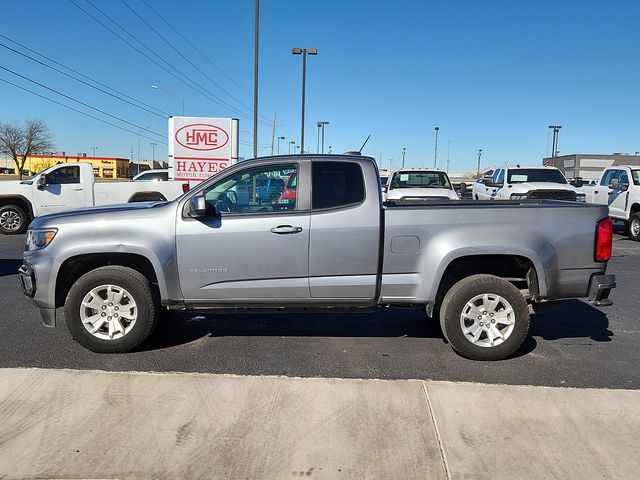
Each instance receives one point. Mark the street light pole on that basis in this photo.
(435, 154)
(303, 52)
(94, 150)
(323, 123)
(139, 133)
(279, 138)
(255, 79)
(479, 155)
(556, 132)
(318, 146)
(153, 151)
(291, 143)
(169, 94)
(403, 152)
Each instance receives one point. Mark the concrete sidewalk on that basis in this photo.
(88, 424)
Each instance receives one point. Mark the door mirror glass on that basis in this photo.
(42, 182)
(198, 207)
(578, 182)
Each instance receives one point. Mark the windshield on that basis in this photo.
(406, 179)
(522, 175)
(635, 174)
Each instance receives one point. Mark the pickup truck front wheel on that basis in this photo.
(634, 227)
(484, 318)
(13, 220)
(111, 309)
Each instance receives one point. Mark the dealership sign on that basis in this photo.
(200, 146)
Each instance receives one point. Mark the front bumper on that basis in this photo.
(29, 284)
(599, 290)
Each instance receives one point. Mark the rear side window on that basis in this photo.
(336, 184)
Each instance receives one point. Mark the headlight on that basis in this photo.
(519, 197)
(581, 197)
(37, 239)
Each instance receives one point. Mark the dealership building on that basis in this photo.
(589, 166)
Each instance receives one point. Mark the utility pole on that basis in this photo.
(153, 150)
(255, 79)
(479, 155)
(435, 153)
(403, 152)
(556, 131)
(273, 133)
(94, 150)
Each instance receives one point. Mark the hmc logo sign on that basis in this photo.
(200, 147)
(202, 136)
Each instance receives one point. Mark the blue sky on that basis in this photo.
(491, 75)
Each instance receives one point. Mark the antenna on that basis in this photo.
(365, 142)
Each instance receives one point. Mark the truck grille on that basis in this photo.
(552, 195)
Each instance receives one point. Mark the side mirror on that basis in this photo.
(198, 207)
(42, 182)
(384, 188)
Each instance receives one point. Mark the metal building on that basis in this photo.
(589, 166)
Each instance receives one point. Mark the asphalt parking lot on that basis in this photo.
(577, 345)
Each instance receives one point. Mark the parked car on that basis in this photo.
(69, 186)
(619, 188)
(157, 175)
(419, 183)
(538, 182)
(337, 246)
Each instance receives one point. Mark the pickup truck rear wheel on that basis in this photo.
(111, 309)
(13, 220)
(484, 317)
(634, 227)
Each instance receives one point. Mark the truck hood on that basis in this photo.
(104, 212)
(11, 186)
(398, 193)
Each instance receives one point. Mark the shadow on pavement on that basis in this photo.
(574, 319)
(179, 328)
(9, 266)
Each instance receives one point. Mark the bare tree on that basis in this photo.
(20, 142)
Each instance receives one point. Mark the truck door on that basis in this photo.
(602, 190)
(618, 195)
(255, 247)
(65, 189)
(345, 231)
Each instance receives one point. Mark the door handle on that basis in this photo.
(595, 191)
(77, 189)
(284, 229)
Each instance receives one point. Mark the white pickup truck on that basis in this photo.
(69, 186)
(419, 183)
(619, 187)
(538, 182)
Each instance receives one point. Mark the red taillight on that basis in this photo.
(604, 240)
(185, 187)
(288, 194)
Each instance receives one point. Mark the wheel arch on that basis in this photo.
(151, 196)
(75, 266)
(19, 200)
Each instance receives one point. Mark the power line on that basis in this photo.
(201, 90)
(183, 56)
(76, 100)
(82, 75)
(80, 111)
(82, 81)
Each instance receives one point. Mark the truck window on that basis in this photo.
(607, 177)
(255, 190)
(635, 174)
(623, 179)
(522, 175)
(336, 184)
(64, 175)
(417, 179)
(500, 177)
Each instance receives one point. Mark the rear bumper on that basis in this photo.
(599, 290)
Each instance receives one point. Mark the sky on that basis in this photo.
(492, 75)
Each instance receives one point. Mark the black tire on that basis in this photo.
(15, 220)
(456, 300)
(137, 285)
(633, 227)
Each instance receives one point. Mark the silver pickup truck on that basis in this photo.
(312, 232)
